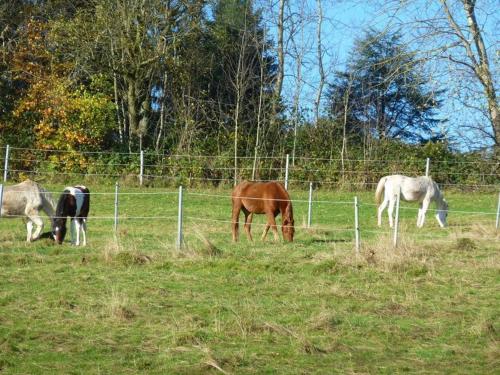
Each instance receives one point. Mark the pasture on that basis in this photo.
(138, 305)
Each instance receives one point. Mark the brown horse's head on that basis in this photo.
(287, 227)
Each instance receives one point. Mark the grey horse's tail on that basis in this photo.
(380, 190)
(48, 203)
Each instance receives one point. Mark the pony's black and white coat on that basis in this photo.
(75, 203)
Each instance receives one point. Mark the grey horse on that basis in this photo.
(26, 200)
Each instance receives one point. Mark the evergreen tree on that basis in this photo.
(384, 91)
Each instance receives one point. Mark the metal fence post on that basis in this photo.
(179, 221)
(497, 223)
(6, 164)
(141, 172)
(427, 167)
(286, 170)
(116, 209)
(1, 198)
(396, 222)
(309, 208)
(356, 224)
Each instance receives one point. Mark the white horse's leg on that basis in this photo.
(29, 229)
(84, 231)
(381, 209)
(423, 210)
(77, 226)
(390, 211)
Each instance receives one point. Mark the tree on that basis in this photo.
(384, 91)
(460, 38)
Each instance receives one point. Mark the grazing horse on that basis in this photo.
(421, 189)
(26, 200)
(75, 203)
(268, 198)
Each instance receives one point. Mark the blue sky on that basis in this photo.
(345, 20)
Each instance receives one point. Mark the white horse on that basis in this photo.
(420, 189)
(26, 200)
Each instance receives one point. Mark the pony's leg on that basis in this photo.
(78, 225)
(37, 220)
(425, 206)
(248, 224)
(390, 211)
(29, 229)
(72, 230)
(381, 209)
(235, 224)
(84, 231)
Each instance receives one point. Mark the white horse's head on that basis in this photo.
(442, 213)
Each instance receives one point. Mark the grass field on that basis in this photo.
(137, 305)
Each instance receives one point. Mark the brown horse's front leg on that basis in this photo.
(235, 221)
(248, 224)
(271, 223)
(264, 234)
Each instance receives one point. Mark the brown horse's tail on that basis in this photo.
(380, 190)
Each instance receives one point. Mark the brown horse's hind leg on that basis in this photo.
(236, 220)
(248, 223)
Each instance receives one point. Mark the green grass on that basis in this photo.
(140, 306)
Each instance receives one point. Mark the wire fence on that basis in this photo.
(197, 170)
(353, 218)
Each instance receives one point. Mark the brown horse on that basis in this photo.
(268, 198)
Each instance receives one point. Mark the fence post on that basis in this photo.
(356, 224)
(286, 171)
(141, 172)
(427, 167)
(6, 164)
(309, 208)
(1, 198)
(497, 224)
(396, 222)
(179, 221)
(116, 209)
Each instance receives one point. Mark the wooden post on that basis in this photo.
(396, 222)
(179, 221)
(427, 167)
(309, 209)
(141, 172)
(286, 170)
(356, 224)
(116, 209)
(6, 164)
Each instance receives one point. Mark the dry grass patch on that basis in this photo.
(118, 307)
(116, 252)
(408, 256)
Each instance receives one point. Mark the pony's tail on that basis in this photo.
(380, 190)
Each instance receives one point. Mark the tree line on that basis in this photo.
(207, 78)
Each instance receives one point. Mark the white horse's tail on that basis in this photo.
(380, 190)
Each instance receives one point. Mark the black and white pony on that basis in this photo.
(420, 189)
(26, 200)
(75, 203)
